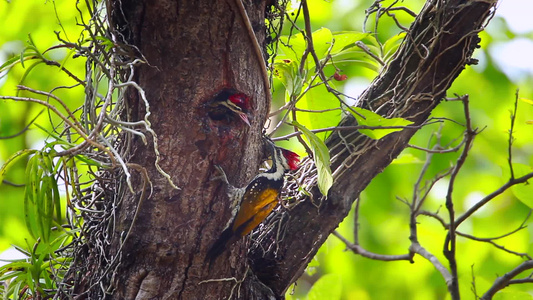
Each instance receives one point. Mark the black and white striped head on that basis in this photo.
(283, 158)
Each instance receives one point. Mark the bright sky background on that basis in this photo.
(515, 58)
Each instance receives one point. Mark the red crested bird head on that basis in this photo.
(229, 103)
(292, 158)
(243, 104)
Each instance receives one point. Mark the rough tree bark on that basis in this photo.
(196, 48)
(193, 50)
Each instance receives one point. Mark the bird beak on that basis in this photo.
(244, 117)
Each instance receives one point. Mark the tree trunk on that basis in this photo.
(193, 51)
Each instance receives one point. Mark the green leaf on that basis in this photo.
(19, 265)
(287, 72)
(523, 191)
(321, 157)
(312, 266)
(346, 38)
(12, 159)
(328, 287)
(355, 56)
(31, 192)
(8, 64)
(28, 70)
(322, 40)
(374, 120)
(41, 196)
(293, 47)
(406, 158)
(529, 101)
(512, 295)
(391, 45)
(318, 98)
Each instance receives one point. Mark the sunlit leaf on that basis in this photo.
(322, 40)
(375, 120)
(318, 99)
(321, 157)
(328, 286)
(355, 56)
(529, 101)
(346, 38)
(512, 295)
(312, 267)
(12, 159)
(293, 47)
(287, 72)
(406, 158)
(523, 191)
(391, 45)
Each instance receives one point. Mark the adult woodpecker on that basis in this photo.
(229, 102)
(253, 203)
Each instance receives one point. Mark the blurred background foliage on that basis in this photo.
(20, 22)
(384, 220)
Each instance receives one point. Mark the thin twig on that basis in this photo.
(349, 128)
(491, 196)
(450, 241)
(511, 138)
(23, 129)
(365, 253)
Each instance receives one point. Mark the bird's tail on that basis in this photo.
(220, 245)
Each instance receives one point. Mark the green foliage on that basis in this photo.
(368, 118)
(524, 191)
(45, 265)
(300, 76)
(30, 216)
(512, 295)
(327, 287)
(41, 196)
(321, 158)
(38, 274)
(39, 204)
(383, 221)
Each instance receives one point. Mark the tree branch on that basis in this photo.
(505, 280)
(357, 249)
(409, 87)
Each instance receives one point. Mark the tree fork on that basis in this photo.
(436, 49)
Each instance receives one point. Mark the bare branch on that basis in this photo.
(511, 138)
(365, 253)
(491, 196)
(449, 244)
(505, 280)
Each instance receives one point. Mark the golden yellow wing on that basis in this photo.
(255, 207)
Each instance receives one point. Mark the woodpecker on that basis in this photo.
(229, 102)
(253, 203)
